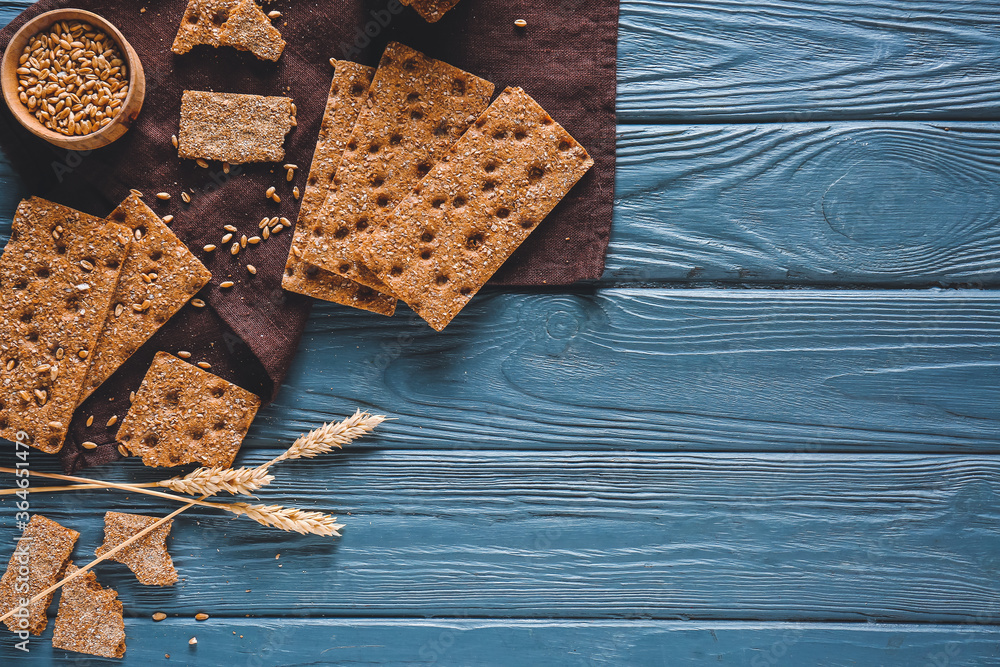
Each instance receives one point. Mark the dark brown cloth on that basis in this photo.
(565, 58)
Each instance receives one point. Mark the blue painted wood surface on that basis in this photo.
(638, 472)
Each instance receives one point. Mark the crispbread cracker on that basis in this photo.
(158, 277)
(90, 618)
(431, 10)
(249, 29)
(148, 557)
(476, 207)
(182, 414)
(52, 308)
(44, 548)
(417, 108)
(347, 93)
(234, 128)
(237, 23)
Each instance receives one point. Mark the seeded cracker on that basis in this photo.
(431, 10)
(237, 23)
(182, 414)
(158, 277)
(475, 208)
(90, 618)
(51, 313)
(44, 548)
(347, 93)
(147, 558)
(416, 109)
(234, 128)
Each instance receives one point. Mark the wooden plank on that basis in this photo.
(881, 204)
(359, 641)
(797, 537)
(666, 370)
(864, 204)
(789, 60)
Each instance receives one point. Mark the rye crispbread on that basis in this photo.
(44, 548)
(249, 29)
(431, 10)
(417, 108)
(347, 93)
(158, 277)
(182, 414)
(58, 275)
(476, 206)
(240, 24)
(147, 557)
(90, 618)
(234, 128)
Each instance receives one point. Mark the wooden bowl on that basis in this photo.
(101, 137)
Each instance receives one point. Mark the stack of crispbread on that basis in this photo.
(78, 296)
(434, 189)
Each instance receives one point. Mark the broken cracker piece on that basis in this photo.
(182, 414)
(237, 23)
(234, 128)
(417, 108)
(160, 271)
(348, 92)
(476, 207)
(90, 618)
(431, 10)
(148, 557)
(43, 550)
(249, 29)
(58, 275)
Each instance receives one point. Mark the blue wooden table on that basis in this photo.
(768, 436)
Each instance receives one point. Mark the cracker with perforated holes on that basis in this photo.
(44, 548)
(158, 277)
(476, 207)
(182, 414)
(58, 275)
(147, 557)
(417, 108)
(234, 128)
(90, 618)
(431, 10)
(348, 92)
(240, 24)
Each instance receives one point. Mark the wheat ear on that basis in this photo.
(289, 518)
(329, 436)
(102, 557)
(237, 481)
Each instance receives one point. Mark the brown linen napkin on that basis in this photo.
(565, 58)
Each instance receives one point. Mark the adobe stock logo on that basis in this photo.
(363, 35)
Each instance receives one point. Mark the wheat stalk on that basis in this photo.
(289, 518)
(329, 436)
(209, 481)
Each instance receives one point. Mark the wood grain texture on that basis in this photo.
(530, 534)
(667, 370)
(357, 641)
(789, 60)
(864, 204)
(880, 204)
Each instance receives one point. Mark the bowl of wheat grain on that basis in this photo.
(70, 77)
